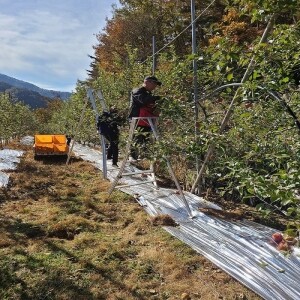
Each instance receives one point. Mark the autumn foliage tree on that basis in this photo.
(137, 22)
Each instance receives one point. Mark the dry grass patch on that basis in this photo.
(62, 237)
(163, 220)
(5, 241)
(70, 226)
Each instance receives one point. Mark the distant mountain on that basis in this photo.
(30, 98)
(29, 86)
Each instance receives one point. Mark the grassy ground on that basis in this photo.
(61, 237)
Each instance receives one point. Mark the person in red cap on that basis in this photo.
(143, 104)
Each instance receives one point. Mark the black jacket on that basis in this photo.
(140, 97)
(108, 123)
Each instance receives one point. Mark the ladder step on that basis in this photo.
(132, 184)
(137, 172)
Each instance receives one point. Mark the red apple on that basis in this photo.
(248, 104)
(277, 237)
(283, 246)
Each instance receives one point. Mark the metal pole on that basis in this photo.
(102, 138)
(194, 51)
(195, 76)
(101, 99)
(153, 55)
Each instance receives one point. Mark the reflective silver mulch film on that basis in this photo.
(8, 161)
(241, 248)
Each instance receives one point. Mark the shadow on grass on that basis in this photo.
(9, 279)
(104, 272)
(44, 281)
(25, 276)
(47, 274)
(20, 231)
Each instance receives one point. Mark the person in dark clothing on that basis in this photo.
(69, 139)
(144, 127)
(141, 98)
(108, 125)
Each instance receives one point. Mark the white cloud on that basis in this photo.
(48, 45)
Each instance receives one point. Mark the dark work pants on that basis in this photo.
(140, 141)
(113, 148)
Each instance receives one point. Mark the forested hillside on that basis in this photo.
(240, 123)
(27, 97)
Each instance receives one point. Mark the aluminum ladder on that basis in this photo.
(91, 97)
(152, 122)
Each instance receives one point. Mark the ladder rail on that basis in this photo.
(126, 156)
(91, 97)
(133, 184)
(152, 122)
(138, 172)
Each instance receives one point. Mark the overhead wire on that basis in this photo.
(179, 34)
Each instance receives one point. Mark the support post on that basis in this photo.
(102, 138)
(195, 77)
(153, 55)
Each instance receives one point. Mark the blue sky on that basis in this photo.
(47, 42)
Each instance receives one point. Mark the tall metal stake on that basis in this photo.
(195, 75)
(230, 109)
(102, 138)
(194, 51)
(153, 55)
